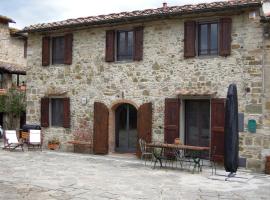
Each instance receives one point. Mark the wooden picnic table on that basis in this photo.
(178, 151)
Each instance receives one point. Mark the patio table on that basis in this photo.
(178, 152)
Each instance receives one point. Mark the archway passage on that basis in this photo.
(126, 135)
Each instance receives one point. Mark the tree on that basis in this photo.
(13, 104)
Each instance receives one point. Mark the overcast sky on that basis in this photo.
(27, 12)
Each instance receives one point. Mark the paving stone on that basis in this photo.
(60, 176)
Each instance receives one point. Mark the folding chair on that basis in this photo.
(35, 139)
(11, 141)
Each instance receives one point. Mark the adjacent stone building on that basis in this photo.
(13, 48)
(156, 74)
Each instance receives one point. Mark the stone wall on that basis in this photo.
(161, 73)
(11, 48)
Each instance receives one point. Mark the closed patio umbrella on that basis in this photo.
(231, 140)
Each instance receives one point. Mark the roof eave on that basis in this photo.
(150, 17)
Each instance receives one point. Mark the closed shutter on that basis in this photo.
(68, 49)
(225, 29)
(66, 113)
(217, 129)
(144, 124)
(46, 51)
(189, 39)
(110, 46)
(138, 43)
(44, 112)
(101, 120)
(171, 120)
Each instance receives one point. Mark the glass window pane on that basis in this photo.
(214, 39)
(57, 112)
(203, 40)
(58, 50)
(124, 45)
(130, 43)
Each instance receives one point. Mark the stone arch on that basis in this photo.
(112, 109)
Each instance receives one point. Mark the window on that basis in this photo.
(25, 49)
(208, 39)
(57, 112)
(124, 45)
(58, 50)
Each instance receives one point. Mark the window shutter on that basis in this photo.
(101, 121)
(44, 112)
(144, 124)
(46, 51)
(66, 117)
(110, 37)
(225, 29)
(138, 43)
(68, 49)
(217, 129)
(171, 120)
(189, 39)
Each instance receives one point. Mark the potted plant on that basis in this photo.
(53, 144)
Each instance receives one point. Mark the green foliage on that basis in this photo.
(14, 102)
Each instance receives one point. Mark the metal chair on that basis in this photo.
(144, 151)
(11, 141)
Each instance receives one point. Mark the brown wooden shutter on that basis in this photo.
(144, 124)
(171, 120)
(44, 112)
(189, 39)
(217, 129)
(110, 46)
(138, 43)
(101, 120)
(225, 29)
(68, 49)
(66, 109)
(46, 51)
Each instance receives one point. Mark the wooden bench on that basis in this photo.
(78, 142)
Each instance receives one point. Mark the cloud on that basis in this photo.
(30, 12)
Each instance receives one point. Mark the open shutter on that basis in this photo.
(101, 117)
(68, 49)
(225, 29)
(144, 124)
(217, 129)
(46, 51)
(138, 43)
(44, 112)
(66, 108)
(189, 39)
(171, 120)
(110, 37)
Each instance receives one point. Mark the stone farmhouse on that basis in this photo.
(13, 49)
(157, 74)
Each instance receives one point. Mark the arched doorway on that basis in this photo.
(126, 128)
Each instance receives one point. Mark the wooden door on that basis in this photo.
(171, 120)
(101, 119)
(217, 129)
(144, 124)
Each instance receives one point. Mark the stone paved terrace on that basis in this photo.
(56, 175)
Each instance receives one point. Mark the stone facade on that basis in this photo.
(12, 62)
(162, 72)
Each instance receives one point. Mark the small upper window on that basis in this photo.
(58, 50)
(1, 81)
(124, 45)
(208, 39)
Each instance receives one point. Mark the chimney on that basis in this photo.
(164, 6)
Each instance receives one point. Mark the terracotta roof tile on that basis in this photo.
(12, 68)
(140, 14)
